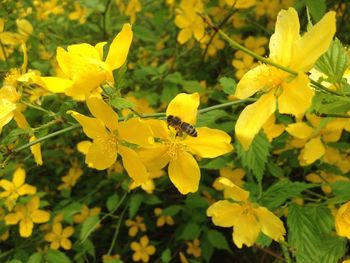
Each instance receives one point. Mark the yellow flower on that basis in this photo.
(85, 213)
(326, 179)
(135, 226)
(72, 177)
(271, 129)
(342, 220)
(193, 248)
(190, 23)
(177, 150)
(59, 237)
(215, 45)
(240, 4)
(79, 13)
(16, 188)
(162, 220)
(246, 218)
(148, 186)
(254, 44)
(111, 137)
(132, 9)
(243, 65)
(142, 250)
(27, 215)
(110, 258)
(234, 176)
(84, 68)
(140, 105)
(293, 95)
(315, 137)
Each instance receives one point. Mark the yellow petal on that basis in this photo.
(159, 128)
(102, 153)
(135, 131)
(66, 243)
(156, 157)
(300, 130)
(313, 43)
(313, 151)
(26, 189)
(209, 143)
(182, 21)
(103, 112)
(92, 127)
(235, 192)
(198, 30)
(185, 107)
(246, 231)
(20, 119)
(184, 35)
(36, 151)
(19, 177)
(12, 219)
(286, 33)
(83, 50)
(253, 81)
(296, 96)
(84, 146)
(57, 228)
(56, 85)
(184, 173)
(99, 47)
(7, 185)
(253, 117)
(133, 165)
(271, 225)
(25, 227)
(119, 49)
(342, 222)
(224, 213)
(40, 216)
(68, 231)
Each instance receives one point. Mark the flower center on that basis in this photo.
(272, 77)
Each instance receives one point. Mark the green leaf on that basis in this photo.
(210, 117)
(278, 193)
(274, 170)
(334, 62)
(175, 78)
(55, 256)
(317, 9)
(36, 258)
(144, 33)
(340, 191)
(194, 201)
(256, 157)
(333, 248)
(88, 227)
(263, 240)
(308, 227)
(112, 202)
(70, 210)
(330, 104)
(172, 210)
(191, 86)
(166, 255)
(169, 91)
(228, 85)
(217, 239)
(151, 200)
(190, 232)
(134, 205)
(217, 163)
(121, 103)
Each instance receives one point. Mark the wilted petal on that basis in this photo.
(286, 33)
(209, 143)
(184, 173)
(253, 117)
(185, 107)
(119, 49)
(224, 213)
(271, 225)
(296, 96)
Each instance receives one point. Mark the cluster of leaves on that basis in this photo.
(91, 215)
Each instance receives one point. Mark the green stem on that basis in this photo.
(117, 231)
(38, 108)
(104, 217)
(223, 105)
(285, 252)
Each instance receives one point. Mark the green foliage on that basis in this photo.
(228, 85)
(317, 8)
(54, 256)
(217, 240)
(334, 62)
(256, 157)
